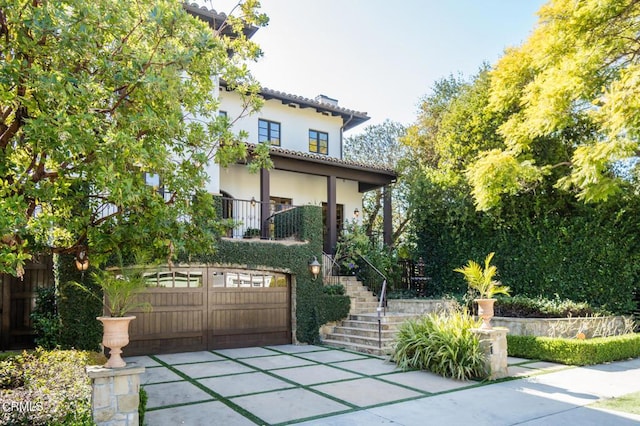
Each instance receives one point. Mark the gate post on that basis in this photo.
(115, 394)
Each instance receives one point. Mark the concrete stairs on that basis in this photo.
(360, 331)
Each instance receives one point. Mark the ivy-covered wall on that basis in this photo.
(292, 257)
(79, 311)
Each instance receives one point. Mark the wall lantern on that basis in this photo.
(253, 201)
(314, 267)
(82, 260)
(356, 213)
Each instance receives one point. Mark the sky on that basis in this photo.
(379, 56)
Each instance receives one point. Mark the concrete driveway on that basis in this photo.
(317, 385)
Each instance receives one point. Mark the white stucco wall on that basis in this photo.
(295, 123)
(301, 188)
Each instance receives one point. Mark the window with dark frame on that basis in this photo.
(269, 131)
(318, 142)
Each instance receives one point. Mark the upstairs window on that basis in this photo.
(269, 132)
(318, 142)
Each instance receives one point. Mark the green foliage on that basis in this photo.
(54, 382)
(379, 146)
(251, 233)
(481, 280)
(554, 244)
(334, 289)
(293, 259)
(354, 244)
(119, 291)
(442, 344)
(333, 307)
(574, 82)
(142, 407)
(542, 307)
(77, 308)
(97, 94)
(575, 351)
(46, 322)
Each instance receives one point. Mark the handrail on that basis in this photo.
(382, 302)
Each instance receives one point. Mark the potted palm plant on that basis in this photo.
(120, 296)
(483, 281)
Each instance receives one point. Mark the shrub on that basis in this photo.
(46, 322)
(575, 351)
(333, 307)
(142, 407)
(52, 384)
(442, 344)
(334, 289)
(540, 307)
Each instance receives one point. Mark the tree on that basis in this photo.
(575, 80)
(380, 146)
(94, 97)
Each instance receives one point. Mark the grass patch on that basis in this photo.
(627, 403)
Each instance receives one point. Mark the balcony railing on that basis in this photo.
(283, 223)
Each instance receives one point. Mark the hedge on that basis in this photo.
(575, 351)
(544, 246)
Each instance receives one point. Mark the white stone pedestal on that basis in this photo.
(115, 396)
(494, 344)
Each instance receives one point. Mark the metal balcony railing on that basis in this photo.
(284, 221)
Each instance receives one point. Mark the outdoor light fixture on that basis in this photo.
(82, 260)
(356, 213)
(253, 201)
(314, 267)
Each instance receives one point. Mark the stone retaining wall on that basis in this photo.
(551, 327)
(564, 327)
(420, 307)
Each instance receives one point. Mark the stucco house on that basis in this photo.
(239, 297)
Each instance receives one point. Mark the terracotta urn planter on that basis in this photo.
(485, 311)
(115, 337)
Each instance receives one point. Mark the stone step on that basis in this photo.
(364, 299)
(386, 340)
(370, 325)
(369, 333)
(390, 317)
(362, 348)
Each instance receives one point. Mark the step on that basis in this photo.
(360, 340)
(390, 317)
(369, 325)
(359, 332)
(367, 349)
(364, 299)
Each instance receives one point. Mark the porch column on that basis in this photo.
(387, 216)
(265, 194)
(332, 219)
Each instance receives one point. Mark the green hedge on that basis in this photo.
(575, 351)
(79, 328)
(333, 307)
(544, 247)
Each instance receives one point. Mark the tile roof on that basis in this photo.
(319, 158)
(350, 118)
(215, 19)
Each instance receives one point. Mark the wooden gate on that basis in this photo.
(211, 308)
(17, 300)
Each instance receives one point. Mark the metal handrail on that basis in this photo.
(381, 302)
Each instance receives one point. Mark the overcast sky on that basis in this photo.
(381, 56)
